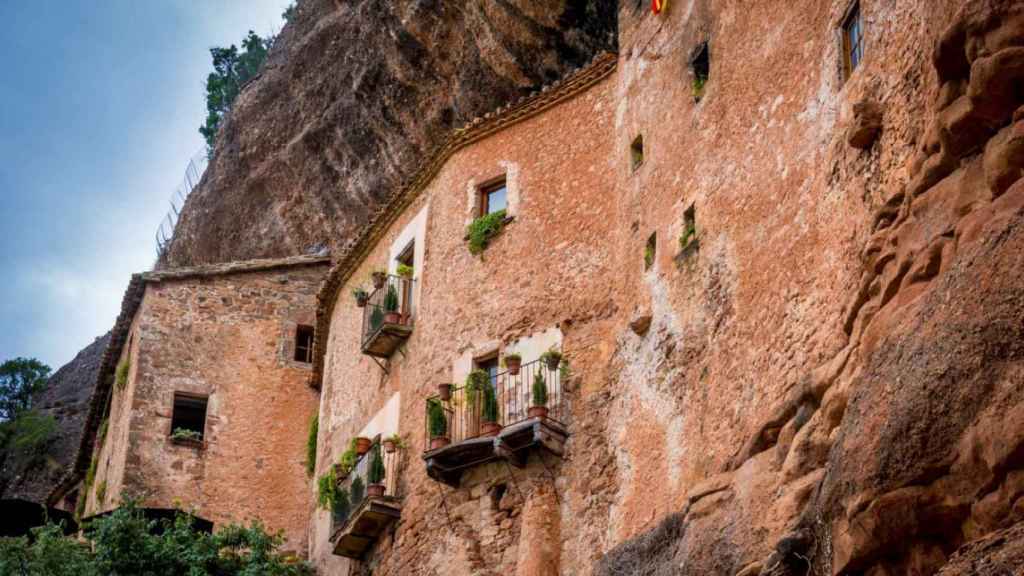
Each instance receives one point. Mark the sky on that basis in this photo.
(100, 102)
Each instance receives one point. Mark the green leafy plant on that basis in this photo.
(397, 440)
(90, 474)
(342, 505)
(376, 473)
(552, 357)
(30, 434)
(491, 412)
(698, 86)
(347, 459)
(564, 371)
(360, 293)
(186, 434)
(483, 229)
(511, 357)
(326, 490)
(436, 419)
(648, 256)
(376, 318)
(357, 490)
(404, 270)
(314, 430)
(121, 376)
(539, 390)
(689, 233)
(391, 299)
(232, 69)
(101, 492)
(21, 380)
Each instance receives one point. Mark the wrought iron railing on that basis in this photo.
(357, 486)
(389, 303)
(472, 411)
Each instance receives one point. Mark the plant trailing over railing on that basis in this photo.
(483, 229)
(327, 490)
(186, 435)
(404, 270)
(476, 382)
(347, 459)
(314, 430)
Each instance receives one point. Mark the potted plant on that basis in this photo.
(490, 426)
(437, 422)
(379, 277)
(357, 490)
(361, 296)
(327, 487)
(552, 358)
(513, 362)
(187, 437)
(346, 461)
(391, 315)
(444, 391)
(539, 408)
(393, 443)
(362, 445)
(375, 476)
(476, 382)
(376, 318)
(404, 270)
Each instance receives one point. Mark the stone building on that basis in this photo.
(202, 399)
(739, 233)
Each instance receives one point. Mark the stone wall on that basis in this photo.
(825, 380)
(227, 334)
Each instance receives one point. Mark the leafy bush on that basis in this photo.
(231, 71)
(404, 270)
(539, 390)
(30, 433)
(490, 403)
(326, 492)
(48, 552)
(483, 229)
(21, 379)
(357, 490)
(376, 318)
(121, 376)
(438, 422)
(314, 430)
(391, 299)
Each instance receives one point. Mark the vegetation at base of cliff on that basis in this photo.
(314, 429)
(232, 69)
(25, 433)
(483, 229)
(125, 542)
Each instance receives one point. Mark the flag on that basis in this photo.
(658, 6)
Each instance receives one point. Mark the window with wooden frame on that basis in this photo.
(853, 39)
(407, 258)
(304, 344)
(493, 197)
(489, 364)
(189, 414)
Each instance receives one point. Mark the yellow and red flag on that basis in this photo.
(658, 6)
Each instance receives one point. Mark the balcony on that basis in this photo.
(388, 316)
(366, 509)
(467, 427)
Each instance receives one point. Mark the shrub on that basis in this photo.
(437, 421)
(342, 505)
(357, 490)
(376, 472)
(31, 432)
(121, 376)
(326, 493)
(490, 403)
(376, 318)
(539, 390)
(483, 229)
(391, 299)
(314, 430)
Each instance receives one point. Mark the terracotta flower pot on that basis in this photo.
(392, 318)
(362, 300)
(363, 445)
(553, 362)
(490, 429)
(379, 279)
(513, 365)
(439, 442)
(389, 446)
(444, 391)
(375, 491)
(538, 412)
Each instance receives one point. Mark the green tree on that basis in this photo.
(232, 68)
(20, 380)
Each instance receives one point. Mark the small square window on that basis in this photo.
(853, 39)
(489, 365)
(189, 414)
(304, 344)
(636, 152)
(493, 198)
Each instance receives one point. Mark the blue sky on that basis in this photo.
(100, 102)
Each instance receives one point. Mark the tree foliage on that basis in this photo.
(232, 68)
(126, 543)
(20, 380)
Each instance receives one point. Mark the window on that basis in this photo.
(700, 64)
(406, 261)
(636, 152)
(189, 413)
(304, 344)
(489, 365)
(853, 39)
(493, 198)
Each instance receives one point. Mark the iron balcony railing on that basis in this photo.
(468, 412)
(357, 486)
(391, 304)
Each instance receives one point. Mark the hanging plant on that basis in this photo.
(483, 229)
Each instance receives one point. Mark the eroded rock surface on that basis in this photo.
(354, 95)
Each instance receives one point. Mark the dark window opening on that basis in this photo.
(853, 40)
(493, 198)
(689, 233)
(304, 344)
(700, 64)
(489, 365)
(189, 414)
(636, 152)
(497, 493)
(650, 250)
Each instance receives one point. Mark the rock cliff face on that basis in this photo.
(353, 96)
